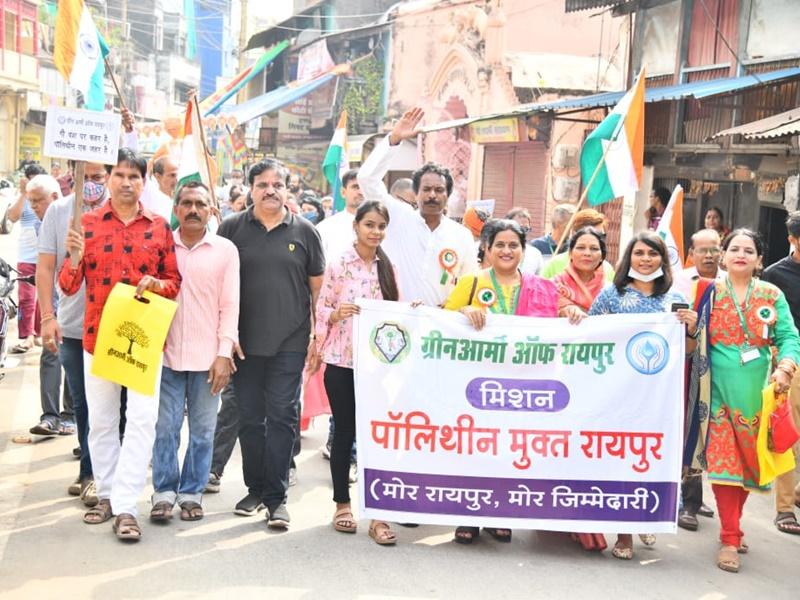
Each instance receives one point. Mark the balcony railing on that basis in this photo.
(21, 68)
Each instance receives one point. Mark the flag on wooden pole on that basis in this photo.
(193, 165)
(670, 228)
(613, 154)
(79, 52)
(336, 162)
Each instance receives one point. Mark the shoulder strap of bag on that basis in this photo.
(474, 287)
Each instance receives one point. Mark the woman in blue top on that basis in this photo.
(642, 285)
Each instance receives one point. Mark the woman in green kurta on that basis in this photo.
(747, 318)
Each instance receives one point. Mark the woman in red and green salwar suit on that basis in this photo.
(748, 317)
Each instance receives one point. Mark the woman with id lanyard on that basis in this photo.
(501, 289)
(748, 316)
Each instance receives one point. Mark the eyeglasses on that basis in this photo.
(706, 251)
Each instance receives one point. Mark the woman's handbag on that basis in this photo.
(771, 463)
(783, 432)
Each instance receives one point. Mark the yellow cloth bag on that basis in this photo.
(770, 464)
(130, 341)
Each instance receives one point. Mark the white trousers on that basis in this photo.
(120, 469)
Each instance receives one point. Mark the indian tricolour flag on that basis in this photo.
(193, 165)
(79, 52)
(670, 228)
(336, 162)
(620, 139)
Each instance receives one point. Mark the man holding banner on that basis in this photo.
(119, 242)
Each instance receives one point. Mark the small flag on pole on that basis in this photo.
(193, 166)
(619, 167)
(670, 228)
(336, 162)
(80, 51)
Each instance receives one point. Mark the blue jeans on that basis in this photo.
(71, 354)
(266, 388)
(179, 389)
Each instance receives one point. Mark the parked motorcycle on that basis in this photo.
(8, 308)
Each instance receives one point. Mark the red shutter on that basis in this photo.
(498, 173)
(530, 182)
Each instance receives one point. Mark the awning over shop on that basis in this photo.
(785, 123)
(285, 29)
(276, 99)
(695, 89)
(576, 5)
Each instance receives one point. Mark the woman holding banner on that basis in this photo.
(642, 285)
(362, 271)
(584, 277)
(501, 289)
(748, 317)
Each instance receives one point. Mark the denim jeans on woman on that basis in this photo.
(179, 388)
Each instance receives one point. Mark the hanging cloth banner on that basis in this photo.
(529, 423)
(130, 341)
(215, 101)
(272, 101)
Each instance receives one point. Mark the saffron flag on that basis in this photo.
(620, 139)
(336, 162)
(213, 103)
(80, 51)
(670, 228)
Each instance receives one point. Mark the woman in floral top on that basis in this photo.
(642, 285)
(363, 271)
(748, 316)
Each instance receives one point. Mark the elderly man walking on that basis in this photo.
(119, 242)
(197, 360)
(281, 268)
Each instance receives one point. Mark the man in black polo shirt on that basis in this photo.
(281, 268)
(786, 275)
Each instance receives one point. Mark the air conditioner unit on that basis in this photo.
(566, 156)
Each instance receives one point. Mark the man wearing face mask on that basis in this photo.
(235, 180)
(429, 250)
(62, 333)
(337, 231)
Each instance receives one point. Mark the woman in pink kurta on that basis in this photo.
(363, 271)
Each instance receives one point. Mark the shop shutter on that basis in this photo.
(498, 176)
(530, 182)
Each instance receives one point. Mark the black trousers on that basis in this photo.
(692, 492)
(339, 385)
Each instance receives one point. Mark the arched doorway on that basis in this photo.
(451, 147)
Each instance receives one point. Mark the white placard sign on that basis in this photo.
(82, 135)
(487, 205)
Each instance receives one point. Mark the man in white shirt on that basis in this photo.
(429, 250)
(704, 253)
(158, 198)
(337, 231)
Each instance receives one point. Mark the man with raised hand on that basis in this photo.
(429, 250)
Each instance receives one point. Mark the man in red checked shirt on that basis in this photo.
(120, 241)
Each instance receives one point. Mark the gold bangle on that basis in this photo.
(47, 318)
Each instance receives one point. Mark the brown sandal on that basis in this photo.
(344, 521)
(382, 533)
(126, 527)
(99, 513)
(191, 511)
(728, 559)
(161, 511)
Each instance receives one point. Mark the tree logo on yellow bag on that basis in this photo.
(134, 334)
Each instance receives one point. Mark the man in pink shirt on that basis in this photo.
(197, 359)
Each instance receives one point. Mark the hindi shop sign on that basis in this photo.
(530, 423)
(82, 135)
